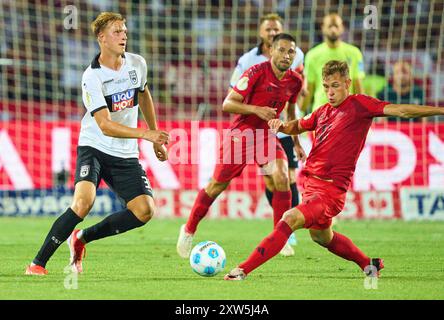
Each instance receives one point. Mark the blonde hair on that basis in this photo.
(102, 21)
(272, 17)
(333, 66)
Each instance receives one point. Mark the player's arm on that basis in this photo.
(146, 105)
(307, 97)
(235, 77)
(233, 103)
(291, 128)
(291, 116)
(412, 110)
(114, 129)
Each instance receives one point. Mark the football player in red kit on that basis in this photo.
(259, 96)
(341, 127)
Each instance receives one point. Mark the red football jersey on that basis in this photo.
(340, 134)
(259, 86)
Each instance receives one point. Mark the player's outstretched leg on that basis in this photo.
(270, 246)
(343, 247)
(204, 199)
(84, 195)
(58, 233)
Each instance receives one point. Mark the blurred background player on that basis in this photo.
(260, 95)
(270, 25)
(341, 128)
(333, 48)
(402, 89)
(113, 87)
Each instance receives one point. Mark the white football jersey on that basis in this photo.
(255, 56)
(118, 91)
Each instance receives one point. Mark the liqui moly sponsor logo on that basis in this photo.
(123, 100)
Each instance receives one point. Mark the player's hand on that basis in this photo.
(275, 124)
(300, 153)
(160, 151)
(157, 136)
(265, 113)
(304, 92)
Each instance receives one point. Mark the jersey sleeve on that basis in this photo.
(92, 93)
(298, 62)
(374, 106)
(310, 121)
(246, 83)
(144, 73)
(237, 73)
(294, 97)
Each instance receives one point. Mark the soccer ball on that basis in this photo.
(207, 258)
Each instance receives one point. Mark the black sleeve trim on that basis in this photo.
(143, 87)
(98, 109)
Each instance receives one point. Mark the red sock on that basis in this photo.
(342, 246)
(268, 248)
(200, 209)
(281, 202)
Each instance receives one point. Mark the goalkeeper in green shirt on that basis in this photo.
(333, 48)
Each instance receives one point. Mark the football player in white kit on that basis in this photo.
(113, 89)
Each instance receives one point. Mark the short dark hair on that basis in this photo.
(334, 66)
(283, 36)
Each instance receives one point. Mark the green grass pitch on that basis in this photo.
(143, 264)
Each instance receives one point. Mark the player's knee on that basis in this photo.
(291, 176)
(281, 181)
(319, 240)
(148, 213)
(144, 211)
(294, 219)
(82, 205)
(269, 183)
(215, 188)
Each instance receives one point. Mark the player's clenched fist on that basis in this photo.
(160, 151)
(265, 113)
(157, 136)
(275, 124)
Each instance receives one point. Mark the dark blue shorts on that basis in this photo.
(288, 145)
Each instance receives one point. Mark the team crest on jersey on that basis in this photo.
(88, 99)
(242, 84)
(308, 116)
(133, 76)
(84, 171)
(123, 100)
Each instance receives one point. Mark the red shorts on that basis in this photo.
(321, 201)
(238, 150)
